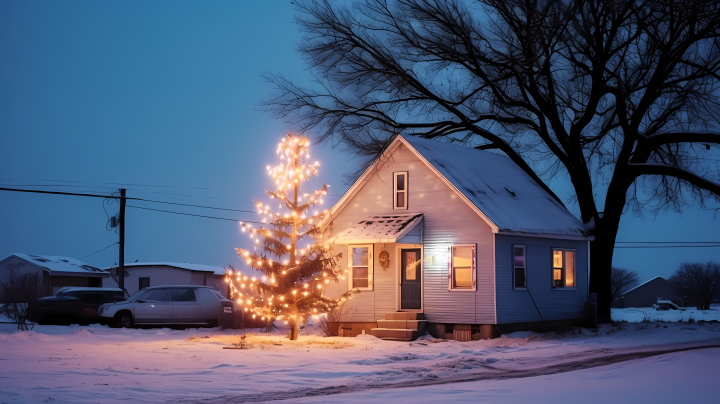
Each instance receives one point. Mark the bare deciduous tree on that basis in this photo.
(699, 281)
(621, 280)
(619, 96)
(16, 295)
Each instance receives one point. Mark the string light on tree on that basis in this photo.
(293, 279)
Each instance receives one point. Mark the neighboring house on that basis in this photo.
(140, 275)
(648, 293)
(462, 238)
(57, 271)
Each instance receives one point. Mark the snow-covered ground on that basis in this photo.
(640, 314)
(97, 364)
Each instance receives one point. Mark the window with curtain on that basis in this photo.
(360, 267)
(563, 268)
(461, 271)
(519, 267)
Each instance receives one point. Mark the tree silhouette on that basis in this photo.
(618, 96)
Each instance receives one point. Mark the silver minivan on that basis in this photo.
(167, 305)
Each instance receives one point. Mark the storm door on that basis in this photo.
(410, 279)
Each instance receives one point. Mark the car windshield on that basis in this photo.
(68, 293)
(134, 296)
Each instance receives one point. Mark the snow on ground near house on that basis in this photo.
(98, 364)
(640, 314)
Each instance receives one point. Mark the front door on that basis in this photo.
(410, 279)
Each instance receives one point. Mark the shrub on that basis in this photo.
(16, 296)
(330, 323)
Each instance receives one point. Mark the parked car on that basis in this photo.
(73, 305)
(168, 305)
(662, 305)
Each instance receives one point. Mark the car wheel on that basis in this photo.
(123, 320)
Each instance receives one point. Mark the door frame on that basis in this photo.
(398, 277)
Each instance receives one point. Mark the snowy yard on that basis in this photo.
(640, 314)
(95, 364)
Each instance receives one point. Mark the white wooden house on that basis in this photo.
(457, 240)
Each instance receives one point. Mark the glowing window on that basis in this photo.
(563, 268)
(461, 271)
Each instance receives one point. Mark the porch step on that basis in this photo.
(397, 334)
(402, 315)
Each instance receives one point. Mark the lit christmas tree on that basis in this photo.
(293, 281)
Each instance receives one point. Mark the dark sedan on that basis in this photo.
(73, 305)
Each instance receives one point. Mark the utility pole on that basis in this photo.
(121, 266)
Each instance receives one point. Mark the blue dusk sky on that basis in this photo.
(162, 98)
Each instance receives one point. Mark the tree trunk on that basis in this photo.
(600, 263)
(601, 257)
(294, 331)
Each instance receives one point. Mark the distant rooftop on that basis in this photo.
(644, 283)
(58, 264)
(183, 265)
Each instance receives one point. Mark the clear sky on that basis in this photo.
(163, 98)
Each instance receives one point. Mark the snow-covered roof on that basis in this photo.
(183, 265)
(379, 229)
(644, 283)
(500, 189)
(56, 264)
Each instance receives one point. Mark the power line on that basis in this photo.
(117, 197)
(100, 250)
(672, 246)
(200, 206)
(36, 191)
(667, 242)
(190, 214)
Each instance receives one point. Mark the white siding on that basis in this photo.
(447, 221)
(159, 275)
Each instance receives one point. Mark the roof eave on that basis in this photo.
(507, 232)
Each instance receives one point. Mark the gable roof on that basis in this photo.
(55, 264)
(499, 191)
(181, 265)
(644, 283)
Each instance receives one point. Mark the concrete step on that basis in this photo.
(402, 315)
(418, 325)
(395, 334)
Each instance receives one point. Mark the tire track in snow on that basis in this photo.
(593, 358)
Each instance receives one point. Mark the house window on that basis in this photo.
(461, 267)
(360, 267)
(400, 190)
(143, 283)
(563, 268)
(519, 267)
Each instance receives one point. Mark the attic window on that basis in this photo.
(400, 190)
